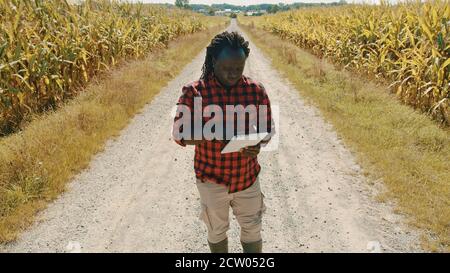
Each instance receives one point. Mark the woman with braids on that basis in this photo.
(229, 179)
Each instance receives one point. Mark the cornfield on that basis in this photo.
(407, 44)
(50, 49)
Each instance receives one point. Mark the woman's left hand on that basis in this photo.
(251, 151)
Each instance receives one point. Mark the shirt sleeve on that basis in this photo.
(186, 99)
(270, 121)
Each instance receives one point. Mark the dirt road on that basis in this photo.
(139, 195)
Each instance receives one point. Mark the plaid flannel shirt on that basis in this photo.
(234, 170)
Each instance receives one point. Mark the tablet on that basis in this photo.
(241, 141)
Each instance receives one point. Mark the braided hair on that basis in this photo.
(225, 39)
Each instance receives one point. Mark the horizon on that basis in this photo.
(254, 2)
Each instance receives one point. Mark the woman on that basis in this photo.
(230, 179)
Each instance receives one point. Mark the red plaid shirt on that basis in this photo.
(234, 170)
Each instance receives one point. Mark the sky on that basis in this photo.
(252, 2)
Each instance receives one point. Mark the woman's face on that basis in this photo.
(229, 70)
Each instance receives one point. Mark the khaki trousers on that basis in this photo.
(247, 205)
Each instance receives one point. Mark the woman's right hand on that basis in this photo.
(193, 142)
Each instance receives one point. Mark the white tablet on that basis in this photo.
(241, 141)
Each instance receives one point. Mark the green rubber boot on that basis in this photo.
(254, 247)
(220, 247)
